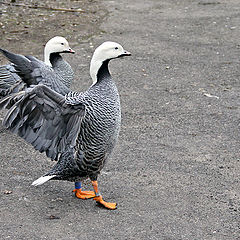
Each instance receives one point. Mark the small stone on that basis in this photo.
(51, 217)
(7, 192)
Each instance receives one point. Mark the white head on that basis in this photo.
(56, 45)
(106, 51)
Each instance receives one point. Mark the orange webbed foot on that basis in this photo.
(84, 194)
(108, 205)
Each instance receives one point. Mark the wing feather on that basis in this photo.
(42, 117)
(31, 71)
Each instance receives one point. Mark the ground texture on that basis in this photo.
(175, 170)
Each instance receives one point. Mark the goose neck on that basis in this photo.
(47, 54)
(99, 70)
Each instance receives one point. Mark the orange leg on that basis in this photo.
(98, 198)
(82, 194)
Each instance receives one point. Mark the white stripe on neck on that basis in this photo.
(47, 56)
(94, 68)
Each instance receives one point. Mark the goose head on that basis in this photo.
(56, 45)
(105, 52)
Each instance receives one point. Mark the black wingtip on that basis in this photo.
(7, 54)
(4, 51)
(20, 62)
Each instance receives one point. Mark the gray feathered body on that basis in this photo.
(78, 130)
(62, 68)
(98, 132)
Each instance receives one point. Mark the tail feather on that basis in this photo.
(42, 180)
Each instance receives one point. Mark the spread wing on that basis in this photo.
(10, 82)
(8, 76)
(44, 119)
(33, 71)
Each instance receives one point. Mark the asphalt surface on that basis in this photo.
(175, 170)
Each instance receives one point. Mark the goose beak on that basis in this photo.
(126, 53)
(71, 51)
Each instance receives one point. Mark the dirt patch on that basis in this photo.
(26, 24)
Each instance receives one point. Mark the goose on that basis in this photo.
(78, 130)
(10, 82)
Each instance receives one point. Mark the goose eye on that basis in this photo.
(116, 48)
(62, 43)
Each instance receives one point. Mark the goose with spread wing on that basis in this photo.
(78, 130)
(11, 82)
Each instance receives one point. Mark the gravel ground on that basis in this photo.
(175, 170)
